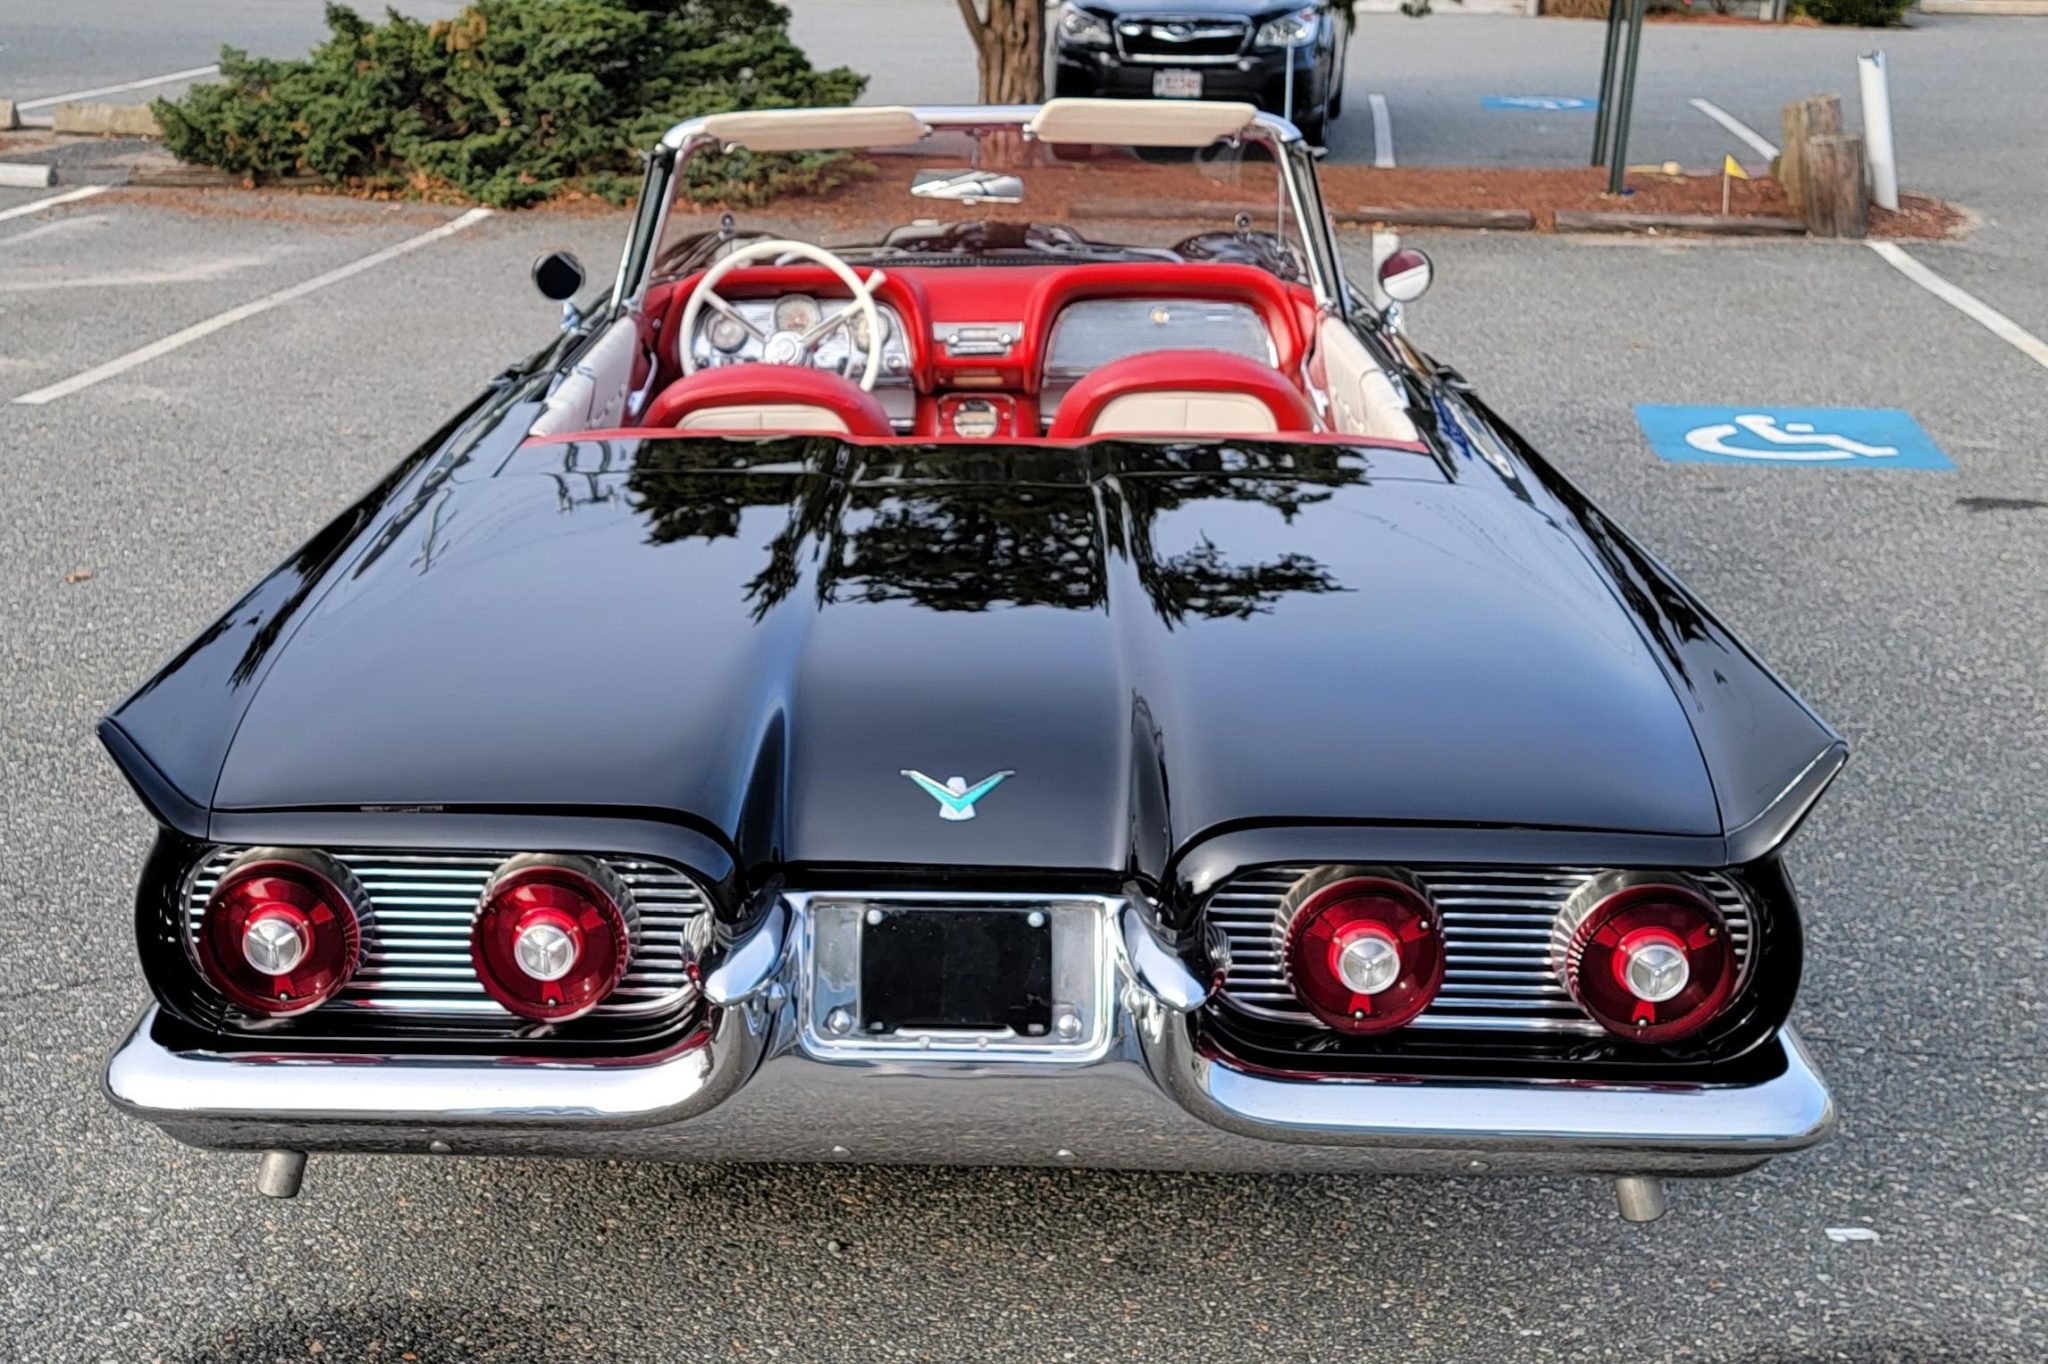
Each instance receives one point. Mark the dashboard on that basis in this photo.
(724, 340)
(983, 353)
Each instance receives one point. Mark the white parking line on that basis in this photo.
(1992, 320)
(48, 101)
(229, 318)
(69, 196)
(1382, 132)
(50, 229)
(1764, 146)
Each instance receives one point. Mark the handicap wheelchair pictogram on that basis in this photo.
(1791, 441)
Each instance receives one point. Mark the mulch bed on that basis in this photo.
(1182, 193)
(1187, 194)
(1584, 189)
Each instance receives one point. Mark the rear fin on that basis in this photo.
(171, 805)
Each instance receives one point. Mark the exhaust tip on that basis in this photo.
(1641, 1198)
(280, 1173)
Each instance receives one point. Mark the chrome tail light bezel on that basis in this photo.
(604, 940)
(1614, 894)
(334, 930)
(1333, 906)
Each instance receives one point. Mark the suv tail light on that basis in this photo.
(553, 936)
(1365, 949)
(1648, 958)
(283, 930)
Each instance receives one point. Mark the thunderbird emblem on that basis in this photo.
(955, 797)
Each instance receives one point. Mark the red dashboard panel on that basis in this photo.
(1020, 301)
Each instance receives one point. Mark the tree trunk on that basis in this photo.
(1009, 44)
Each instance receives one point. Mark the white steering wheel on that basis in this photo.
(787, 348)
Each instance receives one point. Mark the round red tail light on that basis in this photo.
(553, 936)
(1650, 960)
(283, 931)
(1365, 949)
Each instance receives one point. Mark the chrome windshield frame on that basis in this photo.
(1291, 155)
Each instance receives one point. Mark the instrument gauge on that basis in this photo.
(862, 336)
(726, 335)
(797, 313)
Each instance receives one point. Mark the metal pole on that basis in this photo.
(1875, 83)
(1604, 110)
(1617, 166)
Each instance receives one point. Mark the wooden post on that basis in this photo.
(1837, 199)
(1814, 116)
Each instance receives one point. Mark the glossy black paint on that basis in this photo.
(1198, 657)
(1165, 641)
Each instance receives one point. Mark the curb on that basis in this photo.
(1575, 220)
(181, 176)
(1500, 219)
(9, 120)
(101, 120)
(26, 175)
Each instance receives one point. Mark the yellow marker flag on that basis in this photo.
(1728, 167)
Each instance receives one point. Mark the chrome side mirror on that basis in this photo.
(558, 275)
(1406, 275)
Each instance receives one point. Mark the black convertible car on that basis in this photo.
(994, 682)
(1286, 58)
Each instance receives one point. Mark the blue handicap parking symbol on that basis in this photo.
(1824, 437)
(1542, 104)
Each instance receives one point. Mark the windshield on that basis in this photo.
(990, 196)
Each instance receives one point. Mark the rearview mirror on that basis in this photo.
(968, 186)
(1406, 275)
(558, 275)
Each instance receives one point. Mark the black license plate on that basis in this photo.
(956, 968)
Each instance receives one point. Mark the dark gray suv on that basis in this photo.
(1251, 50)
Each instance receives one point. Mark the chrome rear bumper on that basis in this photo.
(750, 1089)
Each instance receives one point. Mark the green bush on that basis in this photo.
(512, 101)
(1863, 13)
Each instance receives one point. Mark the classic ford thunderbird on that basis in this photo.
(1015, 658)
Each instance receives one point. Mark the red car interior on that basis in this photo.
(931, 300)
(1181, 371)
(735, 386)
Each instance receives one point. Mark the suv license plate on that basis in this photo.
(1176, 84)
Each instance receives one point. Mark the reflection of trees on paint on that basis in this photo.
(955, 530)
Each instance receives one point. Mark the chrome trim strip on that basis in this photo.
(751, 963)
(1158, 970)
(1788, 1113)
(148, 1080)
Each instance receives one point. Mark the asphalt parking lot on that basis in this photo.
(1907, 606)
